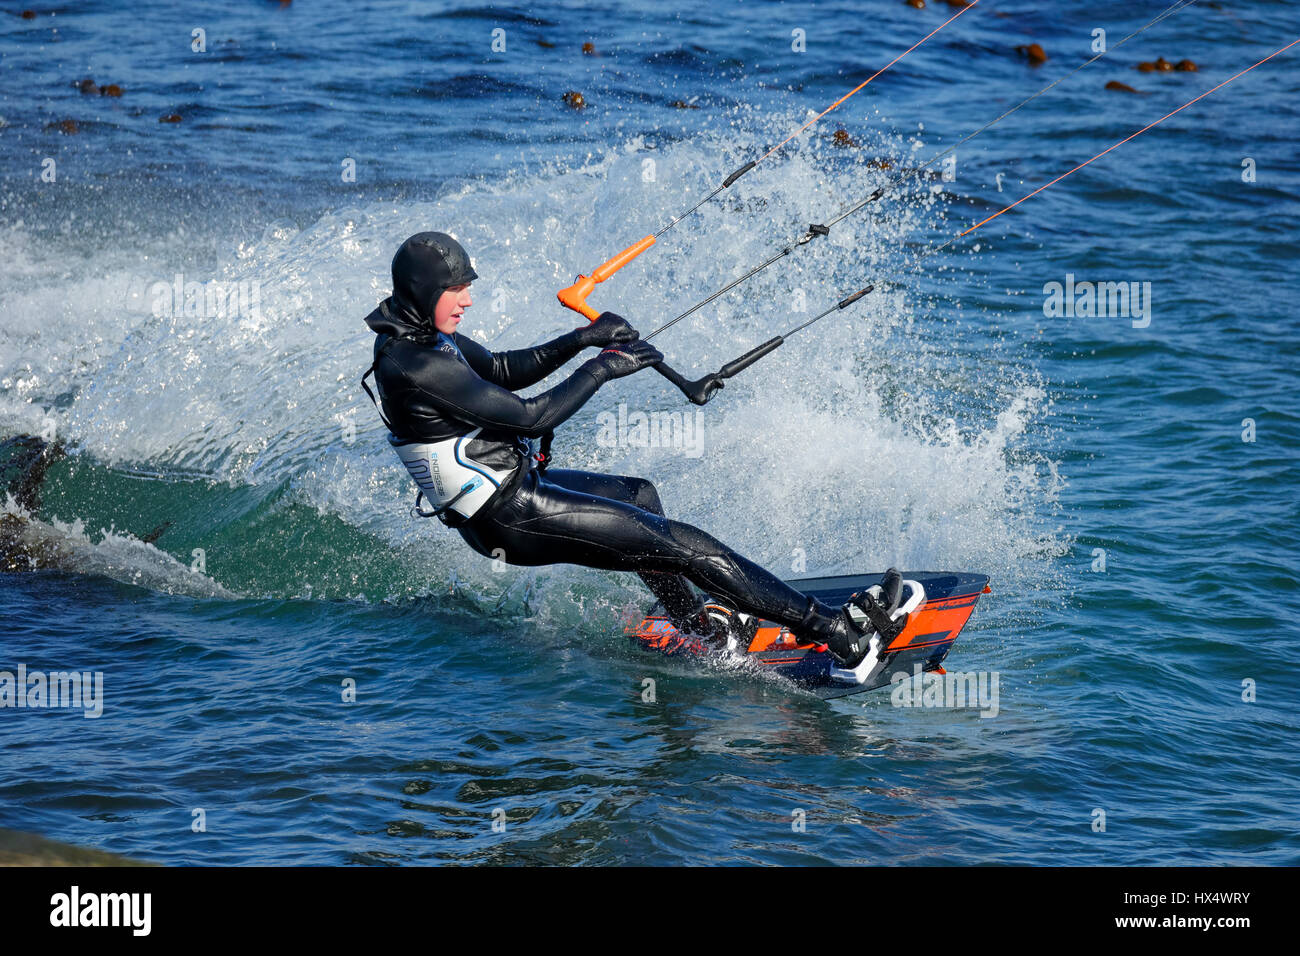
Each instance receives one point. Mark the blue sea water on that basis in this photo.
(1129, 482)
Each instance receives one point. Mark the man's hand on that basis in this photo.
(606, 330)
(624, 360)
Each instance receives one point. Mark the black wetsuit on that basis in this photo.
(434, 387)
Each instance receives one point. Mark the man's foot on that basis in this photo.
(879, 603)
(849, 641)
(724, 626)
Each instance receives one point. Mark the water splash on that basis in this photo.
(887, 435)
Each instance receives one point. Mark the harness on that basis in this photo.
(439, 467)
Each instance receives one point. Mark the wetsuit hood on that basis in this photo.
(426, 265)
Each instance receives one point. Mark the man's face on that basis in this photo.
(451, 306)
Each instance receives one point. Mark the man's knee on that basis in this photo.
(644, 495)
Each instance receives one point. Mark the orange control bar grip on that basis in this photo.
(575, 296)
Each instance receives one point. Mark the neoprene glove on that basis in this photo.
(607, 329)
(623, 360)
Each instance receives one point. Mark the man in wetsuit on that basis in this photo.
(462, 433)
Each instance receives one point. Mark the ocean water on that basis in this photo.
(1129, 481)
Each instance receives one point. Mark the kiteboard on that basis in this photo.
(934, 606)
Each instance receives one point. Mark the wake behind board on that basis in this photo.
(938, 604)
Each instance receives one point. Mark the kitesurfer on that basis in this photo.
(462, 432)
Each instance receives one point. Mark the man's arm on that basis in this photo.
(440, 382)
(520, 368)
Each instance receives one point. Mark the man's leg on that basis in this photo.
(546, 523)
(672, 590)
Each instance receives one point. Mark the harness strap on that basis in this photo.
(544, 451)
(418, 512)
(371, 371)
